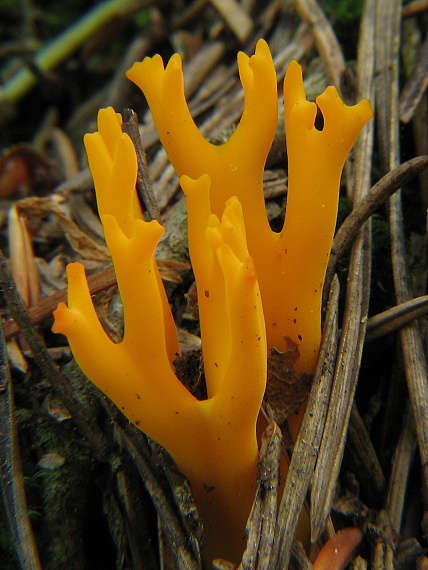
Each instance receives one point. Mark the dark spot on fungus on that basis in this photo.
(215, 364)
(299, 336)
(208, 488)
(294, 321)
(138, 396)
(206, 293)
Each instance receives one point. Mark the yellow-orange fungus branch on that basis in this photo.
(214, 441)
(290, 265)
(233, 252)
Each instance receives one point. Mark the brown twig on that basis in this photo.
(377, 195)
(351, 341)
(11, 477)
(326, 41)
(98, 281)
(144, 187)
(395, 318)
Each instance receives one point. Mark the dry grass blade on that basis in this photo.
(238, 20)
(388, 30)
(325, 38)
(263, 515)
(24, 272)
(344, 384)
(308, 441)
(299, 559)
(12, 481)
(416, 86)
(401, 465)
(360, 447)
(200, 65)
(356, 310)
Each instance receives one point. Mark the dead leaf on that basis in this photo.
(189, 369)
(24, 171)
(41, 207)
(21, 254)
(170, 269)
(285, 389)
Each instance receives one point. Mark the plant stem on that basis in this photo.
(58, 49)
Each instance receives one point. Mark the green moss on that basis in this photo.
(143, 19)
(345, 17)
(343, 11)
